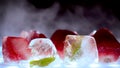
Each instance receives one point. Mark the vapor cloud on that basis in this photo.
(17, 16)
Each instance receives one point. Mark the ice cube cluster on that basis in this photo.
(96, 50)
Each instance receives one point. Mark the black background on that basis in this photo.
(110, 8)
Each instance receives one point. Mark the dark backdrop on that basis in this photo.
(46, 16)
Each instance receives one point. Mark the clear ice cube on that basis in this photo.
(80, 50)
(42, 47)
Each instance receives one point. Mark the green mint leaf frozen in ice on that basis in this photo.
(42, 62)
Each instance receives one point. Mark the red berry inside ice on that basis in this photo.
(42, 36)
(32, 35)
(108, 46)
(15, 49)
(58, 38)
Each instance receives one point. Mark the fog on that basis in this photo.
(18, 15)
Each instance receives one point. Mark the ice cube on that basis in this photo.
(80, 50)
(15, 49)
(43, 52)
(42, 47)
(32, 34)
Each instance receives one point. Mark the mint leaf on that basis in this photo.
(42, 62)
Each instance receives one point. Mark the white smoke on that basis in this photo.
(17, 16)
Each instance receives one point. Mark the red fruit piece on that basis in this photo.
(108, 46)
(58, 38)
(42, 36)
(15, 49)
(31, 35)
